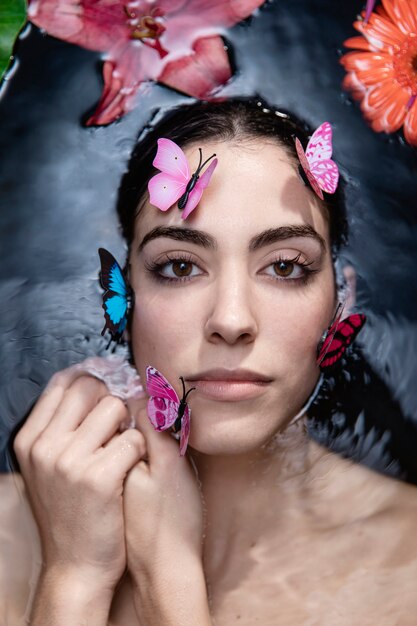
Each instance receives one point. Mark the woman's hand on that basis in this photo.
(74, 462)
(162, 504)
(164, 533)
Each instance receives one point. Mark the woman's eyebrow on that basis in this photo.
(198, 237)
(273, 235)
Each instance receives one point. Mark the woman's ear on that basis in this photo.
(349, 276)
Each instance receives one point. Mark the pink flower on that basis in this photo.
(176, 42)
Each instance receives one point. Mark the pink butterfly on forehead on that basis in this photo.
(321, 171)
(165, 409)
(174, 182)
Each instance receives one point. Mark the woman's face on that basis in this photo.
(236, 297)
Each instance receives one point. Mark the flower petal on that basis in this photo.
(380, 32)
(358, 43)
(353, 61)
(203, 18)
(221, 12)
(410, 126)
(375, 45)
(403, 13)
(385, 106)
(93, 24)
(166, 7)
(369, 68)
(200, 73)
(382, 95)
(352, 84)
(124, 71)
(393, 117)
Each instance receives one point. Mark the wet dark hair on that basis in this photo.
(234, 119)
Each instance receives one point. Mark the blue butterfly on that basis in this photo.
(117, 297)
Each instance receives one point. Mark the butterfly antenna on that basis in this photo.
(199, 166)
(207, 160)
(183, 388)
(338, 313)
(189, 391)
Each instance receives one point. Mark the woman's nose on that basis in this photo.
(232, 317)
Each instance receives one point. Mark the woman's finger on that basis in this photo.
(163, 449)
(102, 422)
(123, 451)
(44, 409)
(78, 400)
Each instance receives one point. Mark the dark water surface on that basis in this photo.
(58, 188)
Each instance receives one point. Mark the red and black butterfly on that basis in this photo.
(338, 337)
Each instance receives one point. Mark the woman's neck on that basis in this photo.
(282, 463)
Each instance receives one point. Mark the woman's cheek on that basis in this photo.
(162, 328)
(293, 334)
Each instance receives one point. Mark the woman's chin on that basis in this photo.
(230, 436)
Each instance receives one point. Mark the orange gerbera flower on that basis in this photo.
(382, 71)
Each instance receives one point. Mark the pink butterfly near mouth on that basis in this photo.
(165, 409)
(338, 337)
(321, 171)
(175, 183)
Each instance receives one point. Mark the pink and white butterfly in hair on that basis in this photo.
(175, 183)
(165, 409)
(338, 337)
(321, 171)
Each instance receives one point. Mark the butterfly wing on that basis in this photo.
(157, 385)
(163, 403)
(345, 333)
(115, 298)
(185, 430)
(327, 175)
(319, 147)
(171, 160)
(325, 344)
(318, 154)
(165, 190)
(306, 167)
(195, 195)
(169, 185)
(162, 412)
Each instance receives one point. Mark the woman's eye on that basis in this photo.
(290, 269)
(283, 268)
(179, 269)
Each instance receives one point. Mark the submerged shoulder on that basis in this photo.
(355, 491)
(19, 548)
(13, 498)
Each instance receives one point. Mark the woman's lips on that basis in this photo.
(229, 385)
